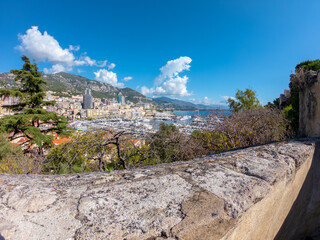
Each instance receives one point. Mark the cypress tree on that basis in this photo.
(30, 119)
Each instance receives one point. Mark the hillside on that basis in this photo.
(66, 84)
(164, 103)
(188, 105)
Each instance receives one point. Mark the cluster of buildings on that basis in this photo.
(87, 107)
(284, 97)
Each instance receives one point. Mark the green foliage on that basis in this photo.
(140, 156)
(97, 151)
(165, 142)
(12, 159)
(274, 105)
(241, 129)
(30, 114)
(292, 113)
(76, 156)
(213, 141)
(168, 144)
(6, 147)
(244, 100)
(309, 65)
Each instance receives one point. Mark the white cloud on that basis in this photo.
(173, 68)
(44, 47)
(111, 66)
(86, 60)
(227, 97)
(205, 101)
(126, 79)
(56, 68)
(74, 48)
(103, 75)
(209, 101)
(102, 63)
(169, 83)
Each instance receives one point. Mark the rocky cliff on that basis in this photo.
(251, 193)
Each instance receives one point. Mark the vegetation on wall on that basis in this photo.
(313, 65)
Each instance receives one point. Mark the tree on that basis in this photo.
(244, 100)
(31, 120)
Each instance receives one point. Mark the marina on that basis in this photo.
(185, 123)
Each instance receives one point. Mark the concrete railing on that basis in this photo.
(254, 193)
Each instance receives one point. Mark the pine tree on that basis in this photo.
(31, 120)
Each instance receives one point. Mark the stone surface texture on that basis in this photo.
(213, 197)
(309, 102)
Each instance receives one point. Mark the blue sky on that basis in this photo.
(194, 50)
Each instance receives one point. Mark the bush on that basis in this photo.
(169, 145)
(241, 129)
(309, 65)
(12, 159)
(97, 151)
(79, 155)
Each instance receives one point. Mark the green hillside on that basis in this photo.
(67, 84)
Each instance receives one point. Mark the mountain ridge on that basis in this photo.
(67, 84)
(192, 105)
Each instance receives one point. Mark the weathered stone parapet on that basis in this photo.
(242, 194)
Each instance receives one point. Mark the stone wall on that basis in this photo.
(242, 194)
(309, 102)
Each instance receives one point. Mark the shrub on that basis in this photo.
(309, 65)
(251, 127)
(12, 159)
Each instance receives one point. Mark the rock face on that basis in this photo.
(242, 194)
(309, 102)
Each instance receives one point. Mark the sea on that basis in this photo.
(190, 115)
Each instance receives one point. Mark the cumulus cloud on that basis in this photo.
(103, 75)
(111, 66)
(56, 68)
(86, 60)
(169, 83)
(126, 79)
(74, 48)
(173, 68)
(209, 101)
(44, 47)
